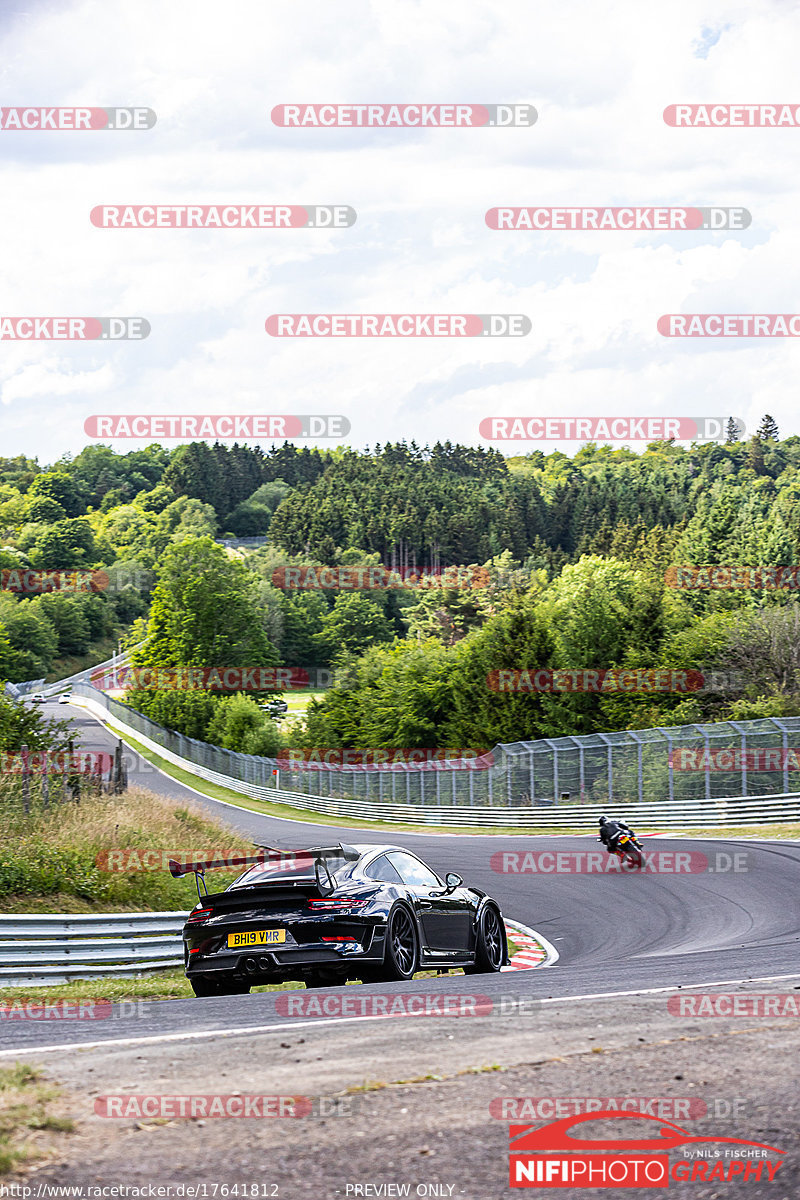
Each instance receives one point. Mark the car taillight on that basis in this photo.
(334, 905)
(199, 914)
(339, 939)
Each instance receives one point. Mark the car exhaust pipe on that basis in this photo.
(251, 966)
(264, 963)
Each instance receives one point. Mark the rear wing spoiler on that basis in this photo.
(315, 855)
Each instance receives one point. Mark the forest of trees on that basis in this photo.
(569, 556)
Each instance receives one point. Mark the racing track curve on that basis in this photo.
(614, 933)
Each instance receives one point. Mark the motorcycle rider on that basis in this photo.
(610, 830)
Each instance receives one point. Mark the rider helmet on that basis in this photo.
(603, 820)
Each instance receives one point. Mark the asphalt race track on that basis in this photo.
(615, 933)
(406, 1105)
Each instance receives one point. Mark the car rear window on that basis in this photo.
(291, 870)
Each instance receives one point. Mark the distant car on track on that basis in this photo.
(65, 698)
(332, 913)
(37, 698)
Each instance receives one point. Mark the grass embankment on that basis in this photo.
(70, 664)
(54, 859)
(29, 1116)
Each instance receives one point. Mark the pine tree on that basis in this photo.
(768, 429)
(732, 433)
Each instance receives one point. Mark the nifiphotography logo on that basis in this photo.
(551, 1156)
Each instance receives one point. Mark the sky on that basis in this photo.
(599, 78)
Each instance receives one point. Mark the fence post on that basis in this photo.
(26, 784)
(74, 779)
(670, 765)
(118, 768)
(785, 751)
(45, 781)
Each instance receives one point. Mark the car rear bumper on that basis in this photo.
(285, 962)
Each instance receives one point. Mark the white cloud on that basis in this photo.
(599, 77)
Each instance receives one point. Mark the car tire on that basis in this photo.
(401, 953)
(489, 943)
(221, 987)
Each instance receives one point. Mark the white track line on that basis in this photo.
(287, 1026)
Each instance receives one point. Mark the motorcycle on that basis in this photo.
(629, 848)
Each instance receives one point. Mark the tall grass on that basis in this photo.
(59, 849)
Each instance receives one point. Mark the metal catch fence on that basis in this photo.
(685, 764)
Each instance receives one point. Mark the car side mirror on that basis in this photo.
(453, 881)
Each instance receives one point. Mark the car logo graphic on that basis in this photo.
(556, 1136)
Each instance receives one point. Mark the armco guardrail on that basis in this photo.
(55, 948)
(59, 685)
(19, 691)
(676, 814)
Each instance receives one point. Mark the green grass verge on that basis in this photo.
(170, 984)
(26, 1114)
(298, 700)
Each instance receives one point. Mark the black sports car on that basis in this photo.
(331, 913)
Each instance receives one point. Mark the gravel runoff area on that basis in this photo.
(408, 1103)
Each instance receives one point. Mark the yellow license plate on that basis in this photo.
(256, 937)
